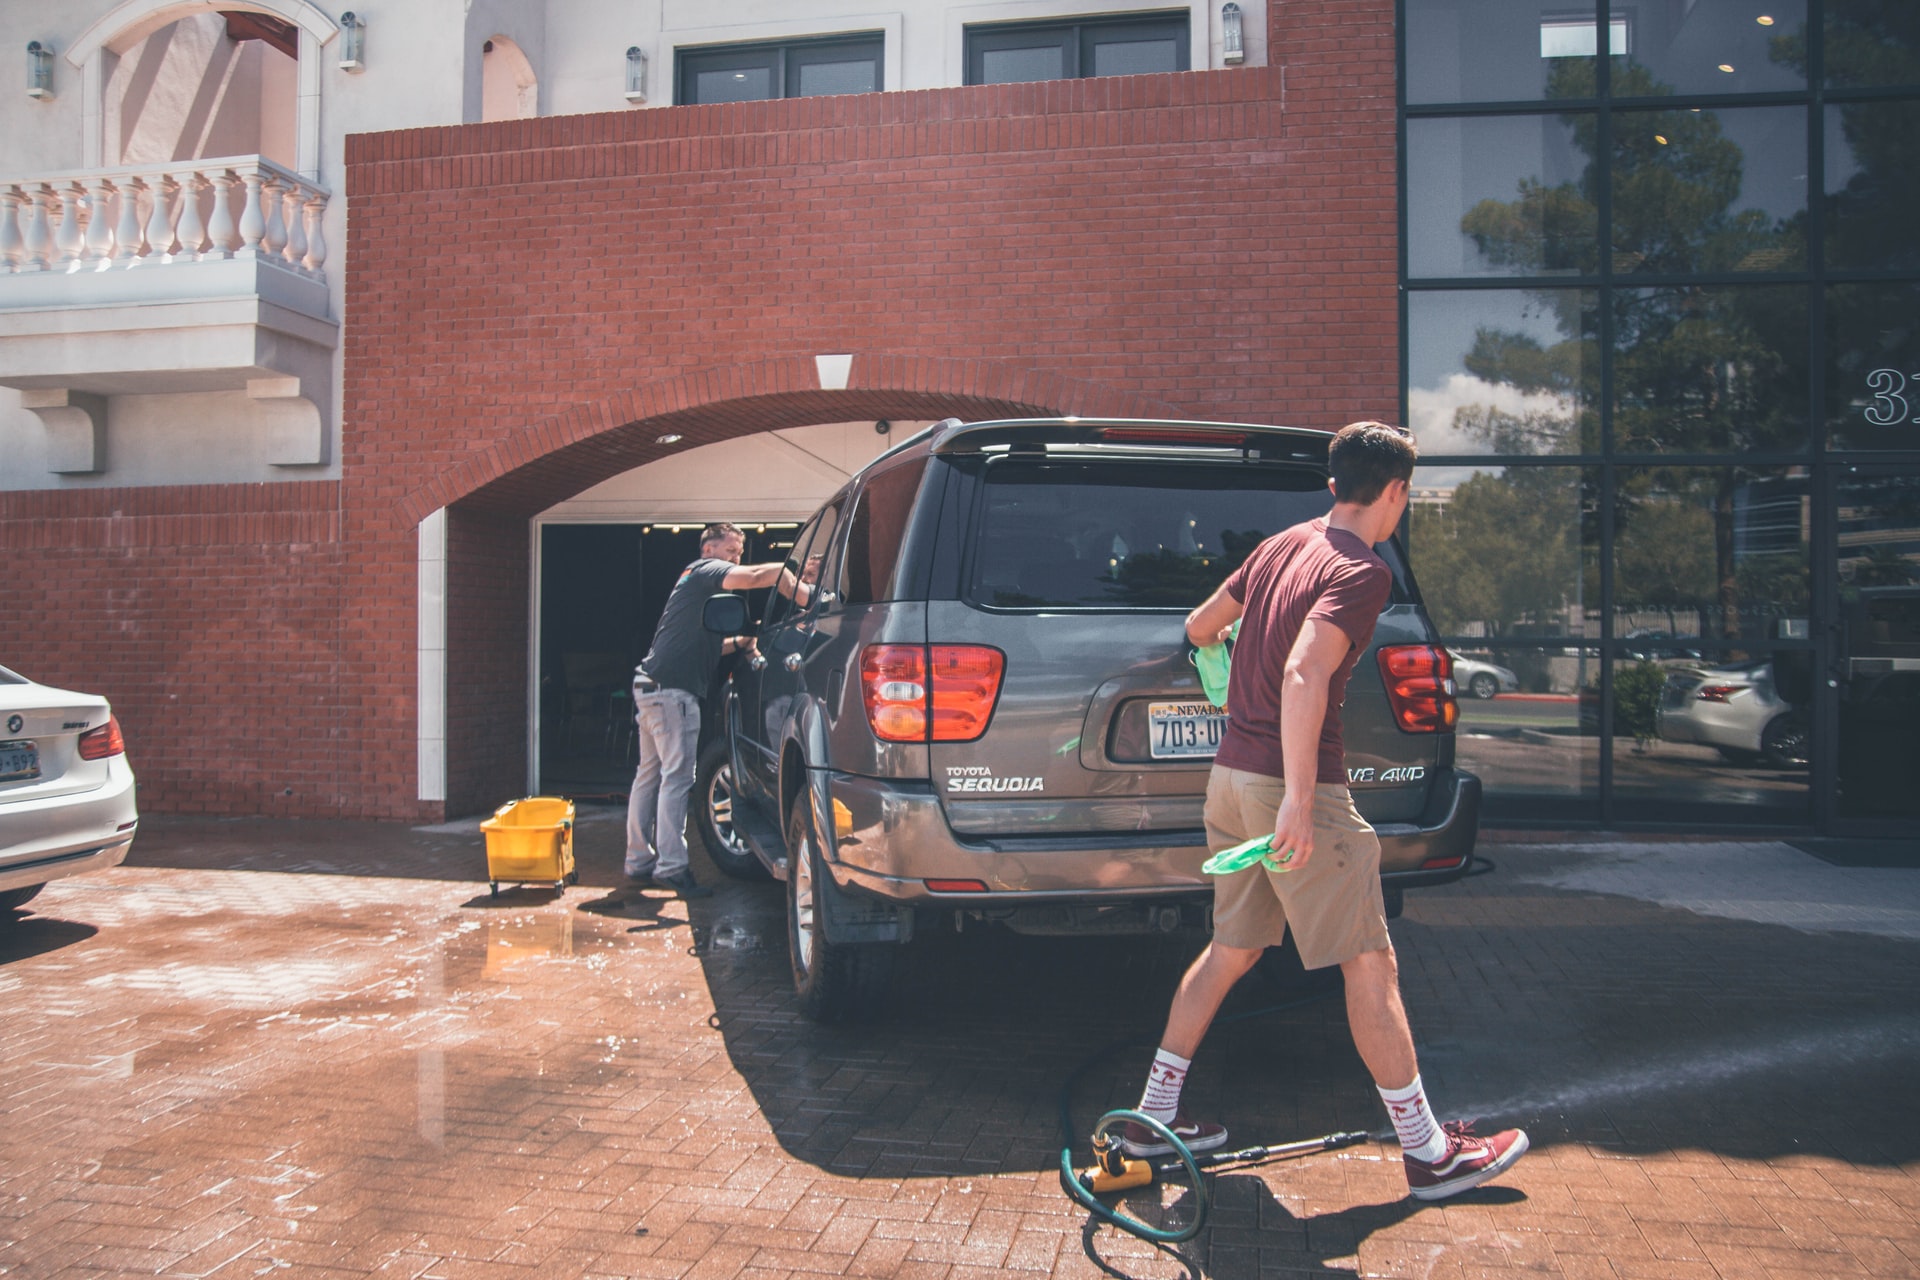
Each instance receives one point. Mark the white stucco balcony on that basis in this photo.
(205, 275)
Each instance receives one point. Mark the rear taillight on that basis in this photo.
(952, 687)
(98, 744)
(1717, 692)
(1419, 681)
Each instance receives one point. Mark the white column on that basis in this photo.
(252, 224)
(432, 657)
(12, 247)
(316, 215)
(296, 221)
(272, 197)
(39, 237)
(126, 229)
(160, 220)
(192, 230)
(66, 237)
(99, 220)
(220, 227)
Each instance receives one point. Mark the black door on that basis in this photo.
(1875, 669)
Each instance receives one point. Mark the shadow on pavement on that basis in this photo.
(24, 934)
(1582, 1017)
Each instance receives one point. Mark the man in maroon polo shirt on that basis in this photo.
(1307, 600)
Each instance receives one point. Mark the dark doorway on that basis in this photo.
(602, 588)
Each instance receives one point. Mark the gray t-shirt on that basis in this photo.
(685, 654)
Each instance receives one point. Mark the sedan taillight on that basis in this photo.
(1718, 692)
(98, 744)
(950, 689)
(1419, 681)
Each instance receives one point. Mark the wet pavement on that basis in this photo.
(322, 1049)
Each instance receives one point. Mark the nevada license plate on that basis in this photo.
(19, 760)
(1184, 730)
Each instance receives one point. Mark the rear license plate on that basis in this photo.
(1184, 730)
(19, 760)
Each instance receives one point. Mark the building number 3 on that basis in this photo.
(1890, 402)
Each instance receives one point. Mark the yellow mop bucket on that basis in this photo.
(530, 840)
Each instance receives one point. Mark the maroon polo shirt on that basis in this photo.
(1308, 571)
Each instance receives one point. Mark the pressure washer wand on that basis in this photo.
(1114, 1172)
(1248, 1155)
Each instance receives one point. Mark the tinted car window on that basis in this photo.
(1111, 534)
(878, 529)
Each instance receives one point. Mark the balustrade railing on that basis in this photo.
(193, 211)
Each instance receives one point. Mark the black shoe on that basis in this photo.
(642, 881)
(683, 885)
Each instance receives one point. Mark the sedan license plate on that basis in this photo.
(1184, 730)
(19, 760)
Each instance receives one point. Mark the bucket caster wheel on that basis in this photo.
(493, 888)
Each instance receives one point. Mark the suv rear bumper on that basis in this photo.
(890, 838)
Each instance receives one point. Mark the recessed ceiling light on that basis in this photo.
(1660, 138)
(1727, 67)
(1764, 20)
(672, 437)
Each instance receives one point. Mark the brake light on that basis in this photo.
(1718, 692)
(1419, 681)
(951, 687)
(98, 744)
(1172, 435)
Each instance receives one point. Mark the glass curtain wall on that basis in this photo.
(1662, 277)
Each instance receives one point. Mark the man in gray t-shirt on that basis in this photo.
(668, 687)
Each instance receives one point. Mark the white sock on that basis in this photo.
(1164, 1080)
(1420, 1137)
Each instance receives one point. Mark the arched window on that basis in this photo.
(208, 84)
(508, 88)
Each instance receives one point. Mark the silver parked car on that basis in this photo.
(66, 790)
(1482, 679)
(1736, 709)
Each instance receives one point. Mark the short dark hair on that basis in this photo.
(719, 533)
(1367, 456)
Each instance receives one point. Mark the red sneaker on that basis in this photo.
(1140, 1142)
(1467, 1162)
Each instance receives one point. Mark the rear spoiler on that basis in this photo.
(1299, 444)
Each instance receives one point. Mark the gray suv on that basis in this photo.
(989, 707)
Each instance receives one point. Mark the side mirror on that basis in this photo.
(726, 614)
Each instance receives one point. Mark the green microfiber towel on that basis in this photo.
(1213, 662)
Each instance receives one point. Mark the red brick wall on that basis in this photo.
(210, 616)
(530, 304)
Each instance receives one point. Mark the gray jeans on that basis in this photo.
(668, 724)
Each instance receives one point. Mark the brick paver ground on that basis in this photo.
(322, 1050)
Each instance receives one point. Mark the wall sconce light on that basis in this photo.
(353, 41)
(39, 71)
(1233, 46)
(636, 74)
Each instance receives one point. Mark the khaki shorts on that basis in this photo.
(1333, 904)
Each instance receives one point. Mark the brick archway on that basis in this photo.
(489, 500)
(552, 460)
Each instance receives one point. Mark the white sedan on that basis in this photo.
(1482, 679)
(66, 790)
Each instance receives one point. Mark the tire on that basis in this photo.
(714, 798)
(835, 982)
(1784, 744)
(1483, 686)
(12, 900)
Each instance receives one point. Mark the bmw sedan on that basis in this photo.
(66, 790)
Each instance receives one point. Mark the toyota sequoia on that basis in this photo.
(988, 708)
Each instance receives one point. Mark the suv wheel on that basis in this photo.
(835, 981)
(713, 814)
